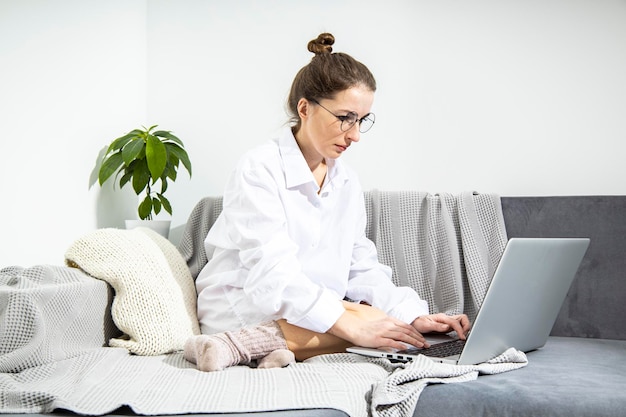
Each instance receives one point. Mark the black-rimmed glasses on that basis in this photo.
(365, 123)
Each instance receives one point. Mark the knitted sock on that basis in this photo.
(277, 359)
(218, 351)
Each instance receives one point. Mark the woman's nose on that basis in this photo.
(353, 134)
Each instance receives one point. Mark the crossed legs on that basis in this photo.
(272, 344)
(306, 343)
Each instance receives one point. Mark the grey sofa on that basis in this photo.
(582, 369)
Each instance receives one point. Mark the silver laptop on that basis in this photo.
(519, 309)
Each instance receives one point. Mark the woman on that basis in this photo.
(292, 270)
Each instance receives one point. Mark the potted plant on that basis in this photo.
(147, 160)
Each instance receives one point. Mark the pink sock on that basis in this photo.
(218, 351)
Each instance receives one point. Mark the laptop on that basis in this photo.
(519, 309)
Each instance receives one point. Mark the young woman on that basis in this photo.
(292, 271)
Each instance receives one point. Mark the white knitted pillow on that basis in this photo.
(155, 296)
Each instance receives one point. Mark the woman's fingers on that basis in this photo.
(394, 333)
(463, 324)
(459, 323)
(382, 332)
(443, 323)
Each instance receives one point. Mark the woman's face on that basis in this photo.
(320, 135)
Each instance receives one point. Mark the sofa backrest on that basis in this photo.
(595, 305)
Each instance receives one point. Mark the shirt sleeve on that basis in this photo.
(256, 224)
(370, 281)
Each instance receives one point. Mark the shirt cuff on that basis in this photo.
(323, 314)
(408, 311)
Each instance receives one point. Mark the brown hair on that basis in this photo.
(326, 74)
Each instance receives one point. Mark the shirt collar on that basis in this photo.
(297, 171)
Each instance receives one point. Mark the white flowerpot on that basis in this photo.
(162, 227)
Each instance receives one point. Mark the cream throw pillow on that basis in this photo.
(155, 295)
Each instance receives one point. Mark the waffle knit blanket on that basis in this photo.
(52, 320)
(444, 246)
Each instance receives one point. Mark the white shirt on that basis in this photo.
(281, 250)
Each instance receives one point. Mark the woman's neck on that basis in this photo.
(316, 163)
(314, 160)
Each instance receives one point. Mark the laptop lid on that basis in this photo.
(523, 300)
(525, 296)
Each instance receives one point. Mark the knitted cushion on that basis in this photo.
(155, 296)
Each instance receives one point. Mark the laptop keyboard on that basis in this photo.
(440, 350)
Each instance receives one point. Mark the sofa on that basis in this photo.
(581, 371)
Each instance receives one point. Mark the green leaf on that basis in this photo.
(156, 155)
(172, 166)
(110, 164)
(123, 140)
(169, 136)
(156, 205)
(125, 178)
(166, 203)
(132, 150)
(181, 154)
(171, 171)
(145, 208)
(163, 184)
(141, 175)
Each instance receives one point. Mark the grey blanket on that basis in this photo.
(51, 313)
(52, 356)
(444, 246)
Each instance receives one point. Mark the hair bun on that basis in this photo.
(322, 45)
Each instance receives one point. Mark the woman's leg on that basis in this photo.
(273, 343)
(264, 342)
(306, 343)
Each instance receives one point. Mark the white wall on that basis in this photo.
(72, 77)
(512, 97)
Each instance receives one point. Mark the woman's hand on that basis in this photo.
(366, 326)
(443, 323)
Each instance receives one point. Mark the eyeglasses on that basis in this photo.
(365, 123)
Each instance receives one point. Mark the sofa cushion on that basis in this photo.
(155, 296)
(568, 377)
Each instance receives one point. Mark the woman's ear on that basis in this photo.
(303, 108)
